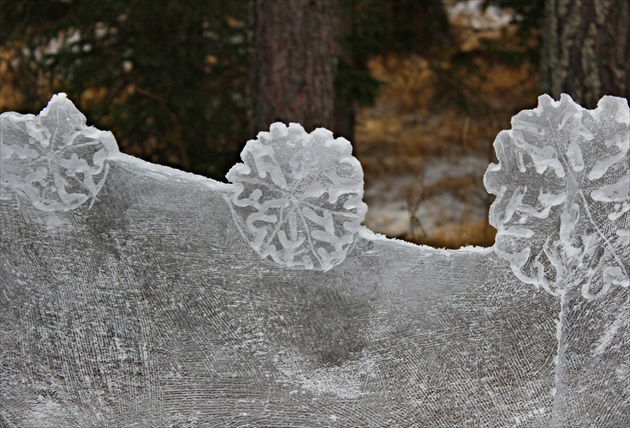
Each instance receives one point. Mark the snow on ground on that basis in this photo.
(473, 14)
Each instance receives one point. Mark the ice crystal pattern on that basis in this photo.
(297, 197)
(562, 189)
(54, 160)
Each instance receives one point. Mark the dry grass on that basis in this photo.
(409, 127)
(478, 233)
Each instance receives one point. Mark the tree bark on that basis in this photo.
(294, 63)
(586, 49)
(344, 109)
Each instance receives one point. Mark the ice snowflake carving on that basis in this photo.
(562, 189)
(54, 159)
(297, 197)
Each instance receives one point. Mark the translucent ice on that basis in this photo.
(151, 308)
(297, 197)
(563, 195)
(54, 159)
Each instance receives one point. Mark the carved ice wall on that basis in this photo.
(132, 293)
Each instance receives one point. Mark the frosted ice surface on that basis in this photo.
(54, 160)
(563, 195)
(150, 308)
(297, 197)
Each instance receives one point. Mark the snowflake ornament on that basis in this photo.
(562, 186)
(297, 197)
(53, 160)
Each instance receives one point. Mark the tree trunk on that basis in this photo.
(294, 63)
(586, 49)
(344, 109)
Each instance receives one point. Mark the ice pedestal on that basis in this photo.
(148, 300)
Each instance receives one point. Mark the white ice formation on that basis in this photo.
(297, 197)
(151, 309)
(54, 160)
(562, 187)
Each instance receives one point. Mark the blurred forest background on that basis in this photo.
(420, 87)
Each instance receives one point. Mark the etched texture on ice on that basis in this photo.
(297, 197)
(54, 160)
(562, 189)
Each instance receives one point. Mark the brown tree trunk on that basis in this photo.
(586, 49)
(344, 109)
(294, 63)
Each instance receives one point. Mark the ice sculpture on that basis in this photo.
(133, 294)
(298, 197)
(562, 210)
(54, 159)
